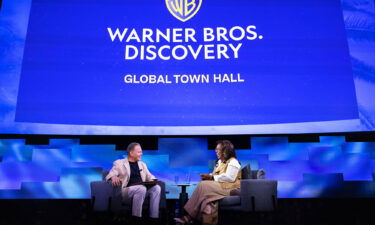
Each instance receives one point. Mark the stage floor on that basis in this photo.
(290, 212)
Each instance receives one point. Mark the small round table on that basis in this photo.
(184, 197)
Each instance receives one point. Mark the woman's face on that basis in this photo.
(219, 152)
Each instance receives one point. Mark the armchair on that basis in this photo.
(256, 193)
(104, 197)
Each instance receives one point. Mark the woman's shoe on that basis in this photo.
(182, 220)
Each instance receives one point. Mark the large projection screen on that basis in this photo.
(185, 67)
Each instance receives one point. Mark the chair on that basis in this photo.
(104, 197)
(256, 194)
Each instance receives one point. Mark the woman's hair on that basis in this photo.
(227, 149)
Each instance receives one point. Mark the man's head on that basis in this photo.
(134, 151)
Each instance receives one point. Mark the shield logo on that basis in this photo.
(183, 9)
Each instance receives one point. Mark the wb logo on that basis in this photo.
(183, 9)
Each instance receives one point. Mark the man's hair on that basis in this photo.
(227, 148)
(131, 146)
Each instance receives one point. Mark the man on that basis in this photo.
(129, 173)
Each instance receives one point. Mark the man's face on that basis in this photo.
(136, 154)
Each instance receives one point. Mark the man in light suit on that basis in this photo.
(128, 173)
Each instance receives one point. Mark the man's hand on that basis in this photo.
(116, 181)
(206, 176)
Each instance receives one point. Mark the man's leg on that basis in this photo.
(154, 193)
(136, 194)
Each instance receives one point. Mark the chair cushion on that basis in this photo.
(230, 201)
(235, 192)
(246, 172)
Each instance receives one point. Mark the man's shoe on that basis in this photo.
(153, 221)
(137, 220)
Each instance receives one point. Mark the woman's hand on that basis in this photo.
(206, 176)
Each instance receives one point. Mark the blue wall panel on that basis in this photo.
(64, 168)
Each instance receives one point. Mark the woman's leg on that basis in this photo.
(193, 204)
(206, 192)
(210, 213)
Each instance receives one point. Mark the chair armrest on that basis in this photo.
(101, 191)
(258, 195)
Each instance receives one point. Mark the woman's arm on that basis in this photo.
(231, 173)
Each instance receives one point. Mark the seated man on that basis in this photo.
(129, 173)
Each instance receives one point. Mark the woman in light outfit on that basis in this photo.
(203, 204)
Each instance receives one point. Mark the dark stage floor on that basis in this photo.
(290, 212)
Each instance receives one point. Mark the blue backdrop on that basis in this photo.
(64, 168)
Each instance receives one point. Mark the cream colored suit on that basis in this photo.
(137, 193)
(121, 169)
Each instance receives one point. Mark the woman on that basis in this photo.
(226, 177)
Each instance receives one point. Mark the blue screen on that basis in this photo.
(186, 67)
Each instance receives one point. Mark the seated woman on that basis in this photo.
(203, 204)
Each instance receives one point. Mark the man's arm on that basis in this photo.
(149, 176)
(114, 172)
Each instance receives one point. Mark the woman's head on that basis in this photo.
(225, 150)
